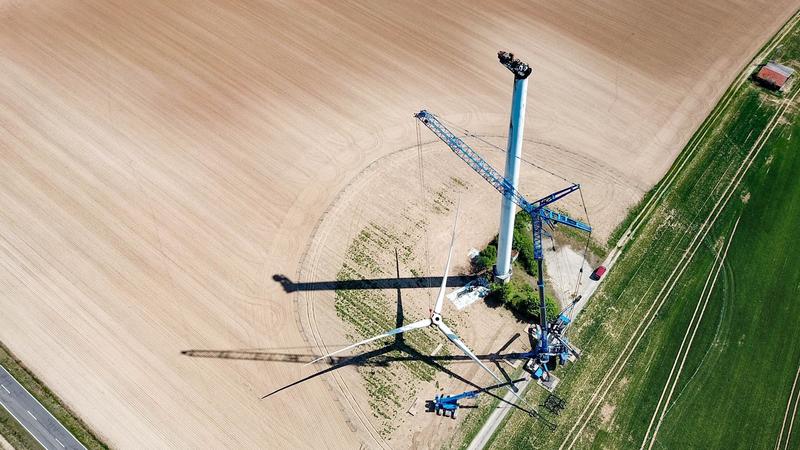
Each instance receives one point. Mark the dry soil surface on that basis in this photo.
(160, 161)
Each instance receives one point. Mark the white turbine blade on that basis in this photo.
(420, 324)
(455, 340)
(440, 298)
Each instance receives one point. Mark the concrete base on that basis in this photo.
(550, 384)
(505, 278)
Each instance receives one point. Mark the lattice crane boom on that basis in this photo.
(490, 174)
(537, 210)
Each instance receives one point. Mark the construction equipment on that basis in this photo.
(435, 320)
(557, 330)
(540, 215)
(442, 404)
(550, 341)
(554, 404)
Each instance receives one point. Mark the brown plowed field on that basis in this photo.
(161, 160)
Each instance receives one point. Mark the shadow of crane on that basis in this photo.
(380, 356)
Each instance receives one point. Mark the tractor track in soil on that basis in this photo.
(692, 326)
(311, 332)
(605, 385)
(794, 397)
(662, 188)
(336, 379)
(308, 268)
(305, 306)
(684, 157)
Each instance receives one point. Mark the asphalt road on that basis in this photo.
(497, 416)
(33, 416)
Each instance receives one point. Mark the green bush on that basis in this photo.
(521, 298)
(522, 217)
(523, 242)
(486, 258)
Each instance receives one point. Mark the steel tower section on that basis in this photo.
(516, 127)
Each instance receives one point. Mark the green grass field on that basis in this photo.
(733, 388)
(735, 345)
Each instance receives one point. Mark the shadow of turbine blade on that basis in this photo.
(377, 283)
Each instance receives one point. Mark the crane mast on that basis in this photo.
(539, 213)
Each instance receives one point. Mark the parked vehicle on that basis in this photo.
(598, 273)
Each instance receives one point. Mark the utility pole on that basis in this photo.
(516, 127)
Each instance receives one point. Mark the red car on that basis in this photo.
(597, 273)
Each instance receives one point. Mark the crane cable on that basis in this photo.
(501, 149)
(563, 262)
(580, 191)
(585, 250)
(422, 205)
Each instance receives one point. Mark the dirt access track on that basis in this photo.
(162, 160)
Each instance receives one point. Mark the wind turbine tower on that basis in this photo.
(516, 127)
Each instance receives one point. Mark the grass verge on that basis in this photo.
(14, 434)
(13, 431)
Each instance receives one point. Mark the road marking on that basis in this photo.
(5, 388)
(59, 443)
(3, 370)
(34, 417)
(23, 425)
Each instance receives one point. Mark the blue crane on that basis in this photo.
(441, 403)
(444, 403)
(540, 215)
